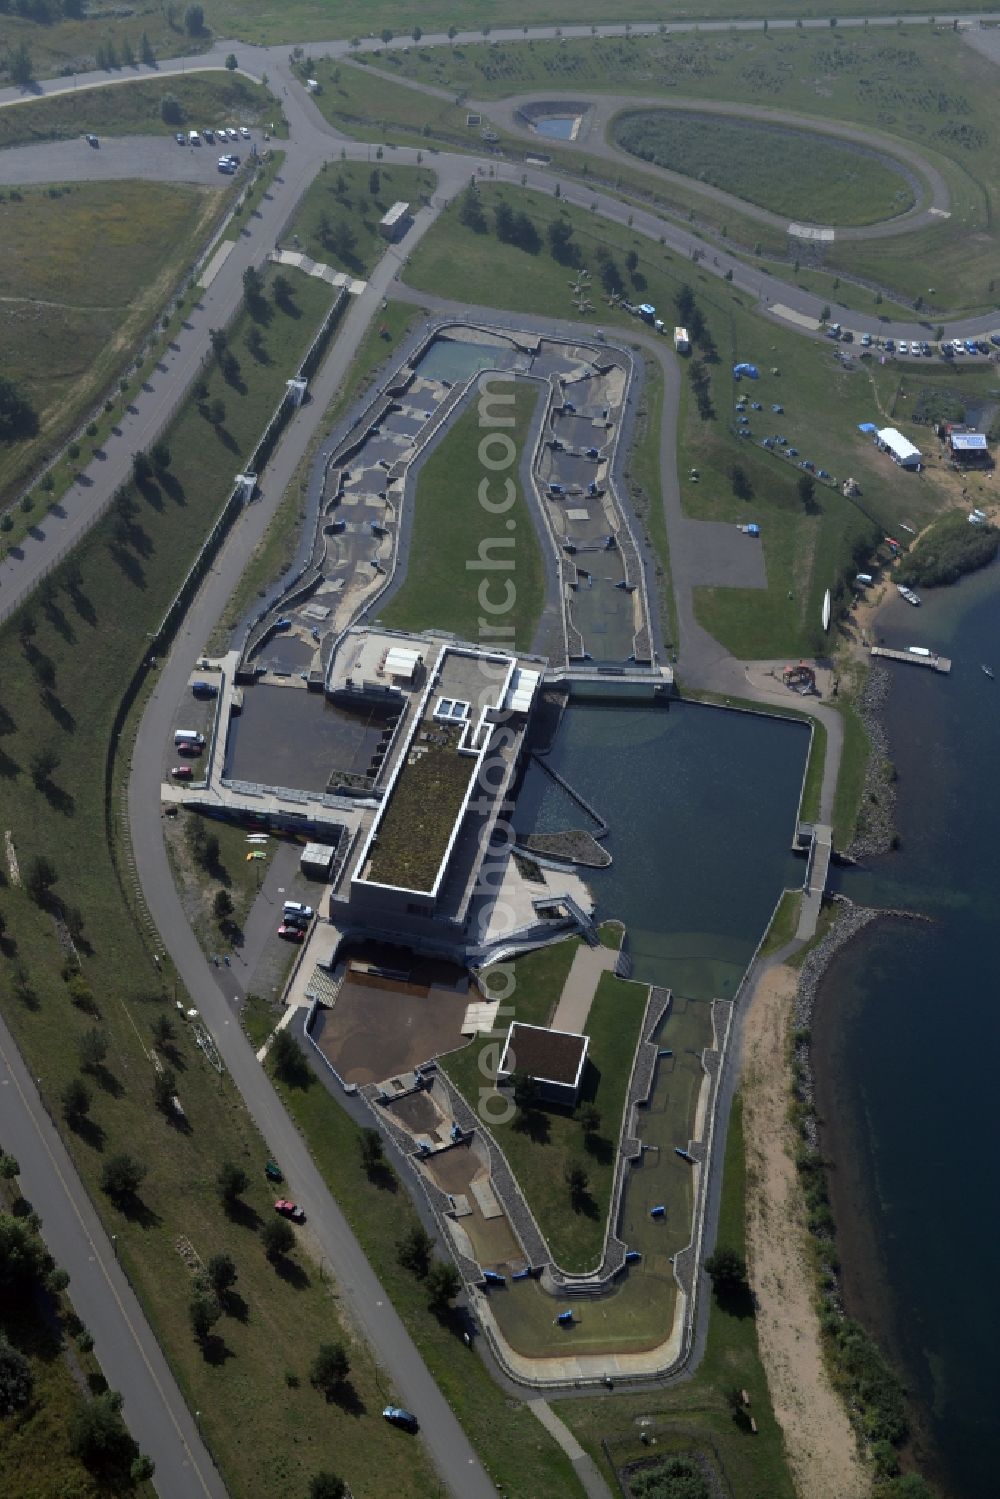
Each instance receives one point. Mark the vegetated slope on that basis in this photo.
(794, 172)
(948, 549)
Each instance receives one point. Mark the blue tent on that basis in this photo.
(750, 370)
(867, 427)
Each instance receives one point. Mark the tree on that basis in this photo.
(740, 480)
(287, 1058)
(222, 905)
(231, 1182)
(23, 1258)
(142, 1469)
(281, 288)
(470, 210)
(16, 1379)
(163, 1031)
(42, 763)
(278, 1238)
(97, 1433)
(128, 53)
(330, 1369)
(194, 20)
(221, 1273)
(684, 302)
(807, 490)
(416, 33)
(824, 314)
(386, 35)
(204, 1311)
(632, 262)
(372, 1153)
(164, 1088)
(452, 34)
(170, 110)
(122, 1176)
(20, 66)
(374, 182)
(142, 468)
(231, 62)
(75, 1101)
(414, 1250)
(525, 1091)
(443, 1284)
(146, 53)
(18, 418)
(253, 283)
(92, 1048)
(161, 456)
(217, 411)
(577, 1181)
(560, 237)
(327, 1485)
(590, 1118)
(727, 1270)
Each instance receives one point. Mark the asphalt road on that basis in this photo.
(129, 1354)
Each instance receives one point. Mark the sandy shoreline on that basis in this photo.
(820, 1442)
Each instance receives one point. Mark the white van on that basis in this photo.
(296, 908)
(194, 138)
(188, 736)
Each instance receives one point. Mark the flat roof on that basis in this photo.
(547, 1056)
(968, 442)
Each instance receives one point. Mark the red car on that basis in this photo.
(290, 933)
(289, 1210)
(182, 772)
(190, 749)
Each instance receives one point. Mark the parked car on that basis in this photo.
(296, 908)
(92, 140)
(182, 772)
(190, 748)
(233, 134)
(889, 346)
(290, 933)
(995, 339)
(289, 1210)
(904, 347)
(181, 138)
(244, 132)
(396, 1415)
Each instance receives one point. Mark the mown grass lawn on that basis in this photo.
(67, 658)
(520, 1456)
(337, 219)
(541, 1144)
(796, 172)
(87, 266)
(695, 1414)
(451, 525)
(210, 99)
(368, 106)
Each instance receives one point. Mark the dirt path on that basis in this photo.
(821, 1448)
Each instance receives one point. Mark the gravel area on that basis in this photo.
(875, 829)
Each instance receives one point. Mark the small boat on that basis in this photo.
(988, 671)
(908, 594)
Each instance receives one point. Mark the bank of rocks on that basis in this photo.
(874, 832)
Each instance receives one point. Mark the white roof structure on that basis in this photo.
(392, 217)
(969, 442)
(400, 662)
(898, 447)
(524, 684)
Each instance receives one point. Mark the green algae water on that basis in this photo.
(701, 806)
(906, 1036)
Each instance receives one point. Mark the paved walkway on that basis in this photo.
(584, 1467)
(585, 971)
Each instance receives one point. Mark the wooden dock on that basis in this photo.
(936, 663)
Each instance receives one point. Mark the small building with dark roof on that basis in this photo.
(553, 1059)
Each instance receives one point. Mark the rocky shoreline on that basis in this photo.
(875, 830)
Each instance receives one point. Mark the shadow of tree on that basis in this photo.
(292, 1273)
(89, 1131)
(243, 1215)
(234, 1306)
(215, 1351)
(534, 1124)
(61, 714)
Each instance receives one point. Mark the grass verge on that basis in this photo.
(783, 923)
(453, 529)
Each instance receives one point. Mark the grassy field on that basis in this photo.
(806, 549)
(204, 98)
(544, 1144)
(850, 783)
(918, 83)
(368, 106)
(87, 267)
(337, 219)
(784, 922)
(450, 526)
(794, 172)
(519, 1455)
(642, 474)
(67, 659)
(695, 1415)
